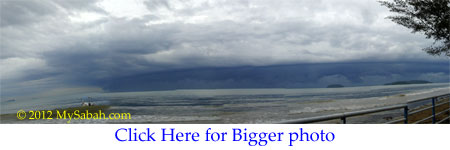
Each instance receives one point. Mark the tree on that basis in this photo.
(431, 17)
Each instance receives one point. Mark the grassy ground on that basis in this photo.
(422, 115)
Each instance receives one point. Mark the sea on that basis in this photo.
(236, 106)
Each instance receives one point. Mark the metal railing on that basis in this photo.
(343, 116)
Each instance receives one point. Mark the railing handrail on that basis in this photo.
(344, 115)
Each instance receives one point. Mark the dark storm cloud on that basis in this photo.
(87, 42)
(282, 76)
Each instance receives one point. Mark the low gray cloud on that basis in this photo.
(84, 42)
(435, 76)
(281, 76)
(335, 79)
(16, 13)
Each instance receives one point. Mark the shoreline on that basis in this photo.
(275, 110)
(12, 118)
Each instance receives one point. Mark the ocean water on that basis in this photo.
(237, 105)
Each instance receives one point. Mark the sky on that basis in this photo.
(96, 45)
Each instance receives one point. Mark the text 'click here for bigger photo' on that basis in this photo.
(253, 64)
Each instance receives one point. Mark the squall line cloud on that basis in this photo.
(58, 43)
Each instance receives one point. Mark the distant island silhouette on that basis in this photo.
(335, 86)
(408, 82)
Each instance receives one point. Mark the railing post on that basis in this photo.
(433, 101)
(405, 113)
(343, 120)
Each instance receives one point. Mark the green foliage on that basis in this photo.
(432, 17)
